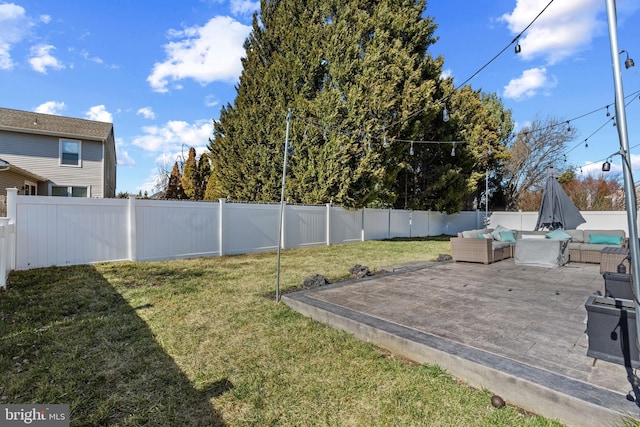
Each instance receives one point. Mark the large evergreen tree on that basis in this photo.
(189, 179)
(359, 80)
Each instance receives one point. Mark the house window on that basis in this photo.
(30, 188)
(70, 152)
(69, 191)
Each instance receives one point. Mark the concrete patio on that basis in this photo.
(519, 331)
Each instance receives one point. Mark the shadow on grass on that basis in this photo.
(440, 238)
(68, 337)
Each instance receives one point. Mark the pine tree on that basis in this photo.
(189, 179)
(202, 177)
(358, 78)
(174, 185)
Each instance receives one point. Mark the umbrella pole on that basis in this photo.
(629, 190)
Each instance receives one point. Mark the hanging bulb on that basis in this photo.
(518, 48)
(385, 143)
(586, 144)
(565, 158)
(614, 123)
(608, 113)
(445, 114)
(568, 126)
(580, 170)
(453, 150)
(411, 149)
(606, 166)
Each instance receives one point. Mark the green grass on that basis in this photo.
(196, 342)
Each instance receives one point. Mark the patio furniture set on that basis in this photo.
(542, 248)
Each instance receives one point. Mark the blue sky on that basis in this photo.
(160, 71)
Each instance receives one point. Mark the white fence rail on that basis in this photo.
(45, 231)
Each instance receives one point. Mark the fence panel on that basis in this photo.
(376, 224)
(461, 221)
(305, 226)
(65, 231)
(250, 228)
(399, 223)
(346, 225)
(175, 229)
(57, 231)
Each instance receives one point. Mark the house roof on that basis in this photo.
(48, 124)
(9, 166)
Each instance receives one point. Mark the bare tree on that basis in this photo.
(532, 152)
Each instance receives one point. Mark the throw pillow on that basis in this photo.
(507, 236)
(496, 233)
(558, 235)
(603, 239)
(485, 236)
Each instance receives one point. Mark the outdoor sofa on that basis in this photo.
(490, 245)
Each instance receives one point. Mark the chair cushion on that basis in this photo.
(558, 235)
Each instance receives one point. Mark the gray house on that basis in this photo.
(47, 155)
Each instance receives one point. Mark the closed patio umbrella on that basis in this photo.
(557, 210)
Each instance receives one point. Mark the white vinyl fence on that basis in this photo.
(41, 231)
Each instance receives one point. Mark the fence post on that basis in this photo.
(221, 205)
(328, 219)
(11, 231)
(132, 232)
(362, 228)
(4, 253)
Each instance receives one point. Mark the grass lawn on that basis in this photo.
(197, 342)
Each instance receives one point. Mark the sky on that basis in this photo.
(160, 71)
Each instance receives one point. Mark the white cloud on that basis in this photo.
(51, 107)
(446, 74)
(99, 113)
(14, 27)
(528, 84)
(244, 7)
(45, 19)
(173, 135)
(88, 57)
(147, 113)
(564, 29)
(210, 101)
(41, 58)
(205, 54)
(124, 159)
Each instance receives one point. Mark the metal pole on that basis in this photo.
(629, 190)
(486, 191)
(284, 177)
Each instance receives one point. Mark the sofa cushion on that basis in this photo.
(472, 234)
(527, 236)
(521, 233)
(604, 239)
(593, 247)
(577, 236)
(499, 245)
(558, 235)
(485, 236)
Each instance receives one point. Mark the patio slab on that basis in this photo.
(518, 331)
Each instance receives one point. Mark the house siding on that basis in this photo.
(40, 154)
(10, 179)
